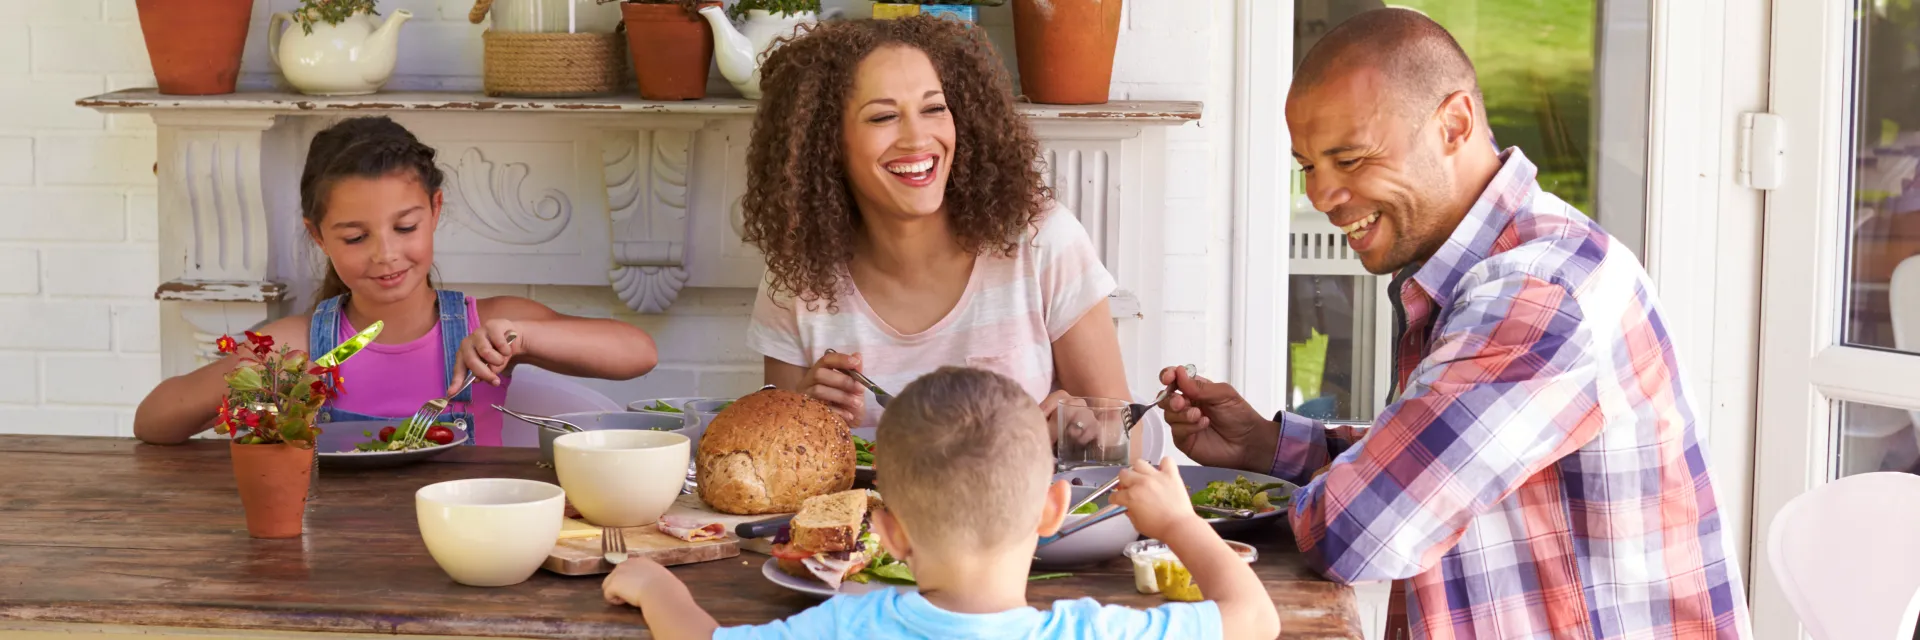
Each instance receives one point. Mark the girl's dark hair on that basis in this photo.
(800, 212)
(367, 147)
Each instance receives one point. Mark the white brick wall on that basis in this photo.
(78, 223)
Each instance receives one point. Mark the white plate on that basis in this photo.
(819, 589)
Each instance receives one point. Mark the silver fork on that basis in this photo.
(613, 545)
(422, 420)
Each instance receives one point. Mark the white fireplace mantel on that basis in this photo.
(641, 196)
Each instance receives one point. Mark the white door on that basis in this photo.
(1840, 322)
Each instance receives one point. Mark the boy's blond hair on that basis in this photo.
(963, 460)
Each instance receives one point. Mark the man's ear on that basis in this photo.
(1054, 513)
(893, 534)
(1456, 120)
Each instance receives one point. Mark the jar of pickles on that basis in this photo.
(1157, 570)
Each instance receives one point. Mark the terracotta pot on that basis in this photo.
(671, 50)
(1066, 48)
(195, 45)
(273, 487)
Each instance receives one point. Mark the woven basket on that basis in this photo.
(551, 65)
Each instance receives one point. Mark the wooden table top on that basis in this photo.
(111, 531)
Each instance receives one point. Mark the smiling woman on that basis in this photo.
(898, 198)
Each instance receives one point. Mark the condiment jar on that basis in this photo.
(1147, 554)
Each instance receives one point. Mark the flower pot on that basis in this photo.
(273, 487)
(195, 45)
(1066, 49)
(671, 50)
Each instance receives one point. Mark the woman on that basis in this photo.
(898, 199)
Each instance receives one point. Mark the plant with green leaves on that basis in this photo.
(273, 396)
(776, 7)
(330, 12)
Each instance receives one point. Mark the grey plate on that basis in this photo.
(338, 438)
(1196, 478)
(819, 589)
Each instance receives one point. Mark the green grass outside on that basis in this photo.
(1534, 59)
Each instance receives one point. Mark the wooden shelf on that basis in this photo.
(293, 103)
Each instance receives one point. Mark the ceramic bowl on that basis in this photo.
(621, 478)
(489, 532)
(700, 412)
(1098, 543)
(602, 420)
(645, 406)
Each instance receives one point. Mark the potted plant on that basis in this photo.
(1066, 49)
(762, 24)
(338, 48)
(268, 414)
(670, 48)
(195, 45)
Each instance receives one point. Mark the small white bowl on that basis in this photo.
(489, 532)
(678, 404)
(1095, 544)
(620, 477)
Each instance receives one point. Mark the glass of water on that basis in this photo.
(1089, 432)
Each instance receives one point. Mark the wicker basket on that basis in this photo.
(552, 65)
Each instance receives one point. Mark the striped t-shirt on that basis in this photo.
(1013, 309)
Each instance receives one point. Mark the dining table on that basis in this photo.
(110, 537)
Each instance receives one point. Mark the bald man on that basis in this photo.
(1539, 473)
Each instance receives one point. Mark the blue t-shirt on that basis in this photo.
(899, 613)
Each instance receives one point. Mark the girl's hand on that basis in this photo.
(632, 579)
(1156, 499)
(487, 352)
(824, 382)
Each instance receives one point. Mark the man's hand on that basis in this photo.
(1215, 426)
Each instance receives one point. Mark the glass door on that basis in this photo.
(1840, 322)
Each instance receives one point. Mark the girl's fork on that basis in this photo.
(415, 428)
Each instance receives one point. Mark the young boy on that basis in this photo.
(967, 483)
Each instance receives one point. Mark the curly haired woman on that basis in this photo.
(897, 197)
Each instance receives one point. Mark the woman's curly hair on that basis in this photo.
(799, 205)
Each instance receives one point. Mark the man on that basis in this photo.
(1539, 474)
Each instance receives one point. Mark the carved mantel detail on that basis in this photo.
(647, 199)
(486, 198)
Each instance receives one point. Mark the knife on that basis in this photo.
(352, 346)
(761, 528)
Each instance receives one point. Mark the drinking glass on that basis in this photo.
(1088, 432)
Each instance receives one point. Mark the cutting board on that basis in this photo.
(581, 556)
(693, 507)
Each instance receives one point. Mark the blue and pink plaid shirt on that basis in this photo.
(1541, 475)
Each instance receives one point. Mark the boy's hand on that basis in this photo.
(1156, 499)
(633, 578)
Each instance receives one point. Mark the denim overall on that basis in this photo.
(324, 335)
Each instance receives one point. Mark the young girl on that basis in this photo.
(371, 199)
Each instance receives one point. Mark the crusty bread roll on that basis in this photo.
(769, 451)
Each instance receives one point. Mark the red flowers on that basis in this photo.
(332, 378)
(227, 345)
(262, 345)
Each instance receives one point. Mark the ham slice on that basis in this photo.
(832, 568)
(691, 530)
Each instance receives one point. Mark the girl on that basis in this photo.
(371, 199)
(897, 196)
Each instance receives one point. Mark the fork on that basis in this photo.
(423, 419)
(613, 545)
(879, 396)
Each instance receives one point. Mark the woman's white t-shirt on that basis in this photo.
(1013, 308)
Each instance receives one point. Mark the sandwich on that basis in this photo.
(828, 540)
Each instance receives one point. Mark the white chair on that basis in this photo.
(1903, 298)
(545, 393)
(1845, 556)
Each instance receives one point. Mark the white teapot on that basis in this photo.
(738, 51)
(355, 57)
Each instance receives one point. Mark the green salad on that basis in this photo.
(1240, 494)
(862, 451)
(888, 569)
(1086, 509)
(661, 407)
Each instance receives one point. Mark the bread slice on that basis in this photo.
(831, 522)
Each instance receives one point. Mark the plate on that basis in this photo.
(1196, 478)
(338, 438)
(819, 589)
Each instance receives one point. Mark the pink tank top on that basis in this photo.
(395, 379)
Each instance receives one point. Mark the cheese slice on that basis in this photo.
(571, 528)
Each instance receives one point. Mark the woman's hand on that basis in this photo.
(825, 382)
(487, 353)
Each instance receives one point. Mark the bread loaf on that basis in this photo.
(770, 451)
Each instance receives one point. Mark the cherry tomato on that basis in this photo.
(439, 435)
(386, 434)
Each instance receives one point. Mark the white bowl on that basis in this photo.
(489, 532)
(600, 420)
(621, 478)
(700, 411)
(1098, 543)
(679, 405)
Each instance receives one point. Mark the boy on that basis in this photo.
(966, 478)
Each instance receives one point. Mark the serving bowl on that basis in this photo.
(603, 420)
(489, 532)
(1098, 543)
(621, 478)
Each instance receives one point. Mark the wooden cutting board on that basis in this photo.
(693, 507)
(581, 556)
